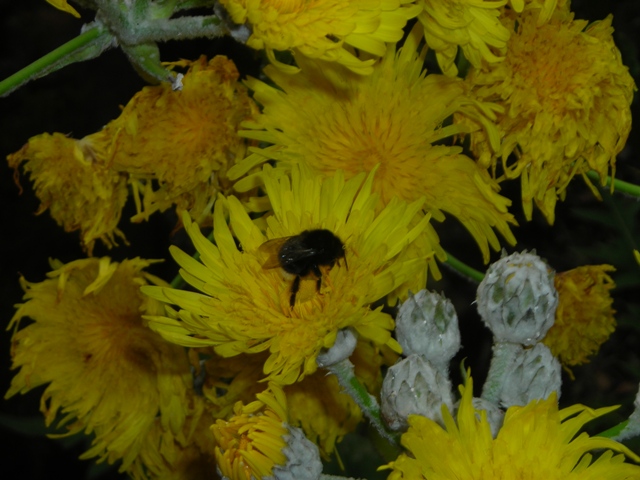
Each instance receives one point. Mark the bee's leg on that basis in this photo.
(318, 274)
(295, 286)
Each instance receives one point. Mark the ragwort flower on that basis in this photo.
(472, 25)
(536, 441)
(245, 308)
(326, 29)
(106, 372)
(566, 98)
(331, 120)
(585, 316)
(73, 182)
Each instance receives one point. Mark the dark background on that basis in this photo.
(81, 98)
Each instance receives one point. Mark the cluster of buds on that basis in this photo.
(517, 301)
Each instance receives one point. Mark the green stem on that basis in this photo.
(44, 65)
(463, 268)
(618, 185)
(368, 404)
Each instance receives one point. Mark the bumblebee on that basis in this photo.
(304, 254)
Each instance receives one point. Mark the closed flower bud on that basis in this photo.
(427, 325)
(303, 459)
(533, 374)
(495, 415)
(517, 299)
(341, 350)
(414, 386)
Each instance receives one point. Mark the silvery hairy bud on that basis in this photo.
(519, 375)
(414, 386)
(427, 325)
(517, 299)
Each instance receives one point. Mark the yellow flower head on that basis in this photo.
(250, 444)
(64, 6)
(584, 318)
(536, 442)
(176, 146)
(326, 29)
(563, 116)
(245, 307)
(105, 371)
(472, 25)
(74, 184)
(329, 119)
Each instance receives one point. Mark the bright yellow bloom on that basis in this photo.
(472, 25)
(535, 442)
(326, 29)
(584, 318)
(176, 146)
(563, 115)
(250, 444)
(245, 308)
(64, 6)
(75, 185)
(106, 372)
(329, 119)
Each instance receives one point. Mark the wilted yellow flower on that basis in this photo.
(563, 115)
(245, 307)
(584, 318)
(536, 441)
(106, 372)
(176, 146)
(329, 119)
(472, 25)
(250, 444)
(64, 6)
(73, 182)
(187, 455)
(326, 29)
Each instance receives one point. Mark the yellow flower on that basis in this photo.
(73, 182)
(107, 373)
(563, 116)
(245, 308)
(64, 6)
(329, 119)
(176, 146)
(472, 25)
(536, 441)
(584, 318)
(326, 29)
(250, 444)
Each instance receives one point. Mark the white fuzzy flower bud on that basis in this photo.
(517, 299)
(495, 415)
(414, 386)
(303, 459)
(531, 374)
(341, 350)
(427, 325)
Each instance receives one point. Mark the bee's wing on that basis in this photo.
(269, 251)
